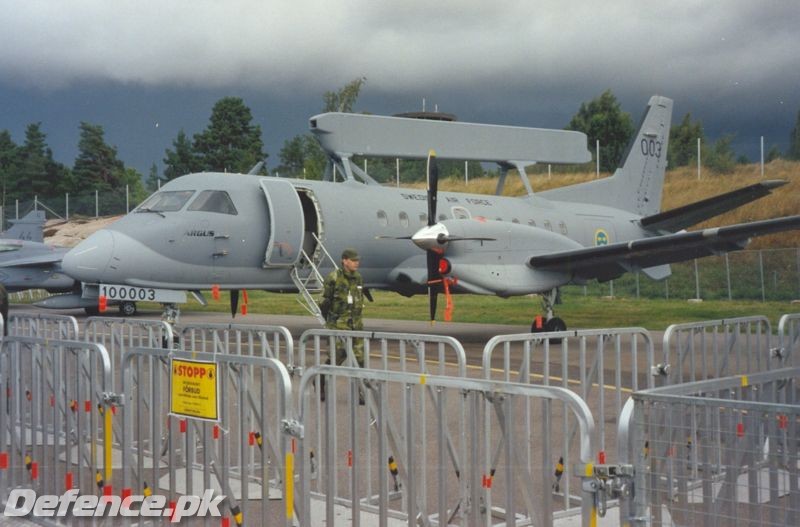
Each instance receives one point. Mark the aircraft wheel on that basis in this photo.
(92, 311)
(127, 309)
(555, 324)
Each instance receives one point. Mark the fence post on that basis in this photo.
(761, 273)
(66, 213)
(637, 285)
(17, 202)
(35, 202)
(96, 205)
(696, 280)
(127, 199)
(728, 274)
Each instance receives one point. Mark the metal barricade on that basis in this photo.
(58, 327)
(418, 353)
(56, 418)
(720, 452)
(418, 483)
(788, 351)
(239, 339)
(602, 366)
(713, 349)
(121, 334)
(245, 456)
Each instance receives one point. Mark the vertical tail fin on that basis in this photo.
(636, 186)
(30, 227)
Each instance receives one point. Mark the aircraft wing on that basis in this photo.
(607, 261)
(677, 219)
(38, 260)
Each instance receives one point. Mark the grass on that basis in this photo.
(579, 311)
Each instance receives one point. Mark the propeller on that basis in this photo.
(433, 239)
(434, 253)
(234, 302)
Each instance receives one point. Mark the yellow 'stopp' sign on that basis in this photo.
(194, 389)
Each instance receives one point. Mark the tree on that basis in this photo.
(344, 99)
(720, 156)
(772, 154)
(302, 154)
(182, 160)
(37, 172)
(153, 179)
(8, 161)
(97, 166)
(603, 119)
(292, 156)
(231, 143)
(683, 142)
(794, 141)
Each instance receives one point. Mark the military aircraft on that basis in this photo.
(26, 262)
(238, 231)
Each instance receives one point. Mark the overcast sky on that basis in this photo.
(145, 69)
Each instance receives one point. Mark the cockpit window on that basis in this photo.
(166, 201)
(214, 201)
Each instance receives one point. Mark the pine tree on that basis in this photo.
(37, 172)
(97, 166)
(231, 143)
(683, 142)
(182, 160)
(794, 141)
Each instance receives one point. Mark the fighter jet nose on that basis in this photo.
(88, 260)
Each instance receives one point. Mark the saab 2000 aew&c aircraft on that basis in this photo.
(241, 231)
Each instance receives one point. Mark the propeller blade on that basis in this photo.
(234, 301)
(433, 274)
(433, 186)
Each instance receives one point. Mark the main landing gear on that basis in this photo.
(550, 323)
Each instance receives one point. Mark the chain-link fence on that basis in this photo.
(767, 275)
(86, 204)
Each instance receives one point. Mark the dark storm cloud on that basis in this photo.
(487, 60)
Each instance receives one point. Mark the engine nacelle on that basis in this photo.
(500, 266)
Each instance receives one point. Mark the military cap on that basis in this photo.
(350, 254)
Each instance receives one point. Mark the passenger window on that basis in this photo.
(442, 217)
(214, 201)
(166, 201)
(404, 219)
(383, 220)
(423, 218)
(563, 227)
(514, 220)
(547, 225)
(532, 223)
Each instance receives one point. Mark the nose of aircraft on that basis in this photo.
(88, 260)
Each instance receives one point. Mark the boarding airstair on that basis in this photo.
(308, 279)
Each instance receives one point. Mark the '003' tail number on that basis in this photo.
(119, 292)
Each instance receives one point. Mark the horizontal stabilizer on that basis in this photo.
(607, 261)
(682, 217)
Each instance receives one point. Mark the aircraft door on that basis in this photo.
(286, 223)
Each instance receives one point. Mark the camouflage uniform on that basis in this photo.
(342, 304)
(4, 308)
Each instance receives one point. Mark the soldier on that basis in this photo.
(4, 308)
(343, 302)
